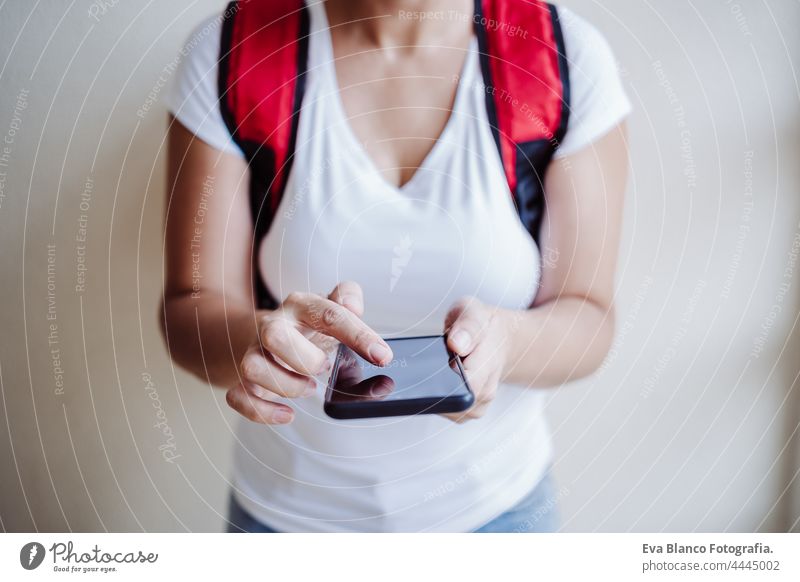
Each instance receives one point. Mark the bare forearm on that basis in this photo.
(208, 335)
(562, 340)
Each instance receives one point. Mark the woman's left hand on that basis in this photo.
(480, 334)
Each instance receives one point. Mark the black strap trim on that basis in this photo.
(563, 73)
(483, 49)
(299, 90)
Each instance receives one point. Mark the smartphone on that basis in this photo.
(424, 377)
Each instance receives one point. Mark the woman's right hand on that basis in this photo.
(293, 346)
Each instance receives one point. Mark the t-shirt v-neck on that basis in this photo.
(323, 59)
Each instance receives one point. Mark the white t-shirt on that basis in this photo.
(451, 231)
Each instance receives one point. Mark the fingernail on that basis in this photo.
(350, 302)
(460, 340)
(282, 416)
(379, 352)
(310, 391)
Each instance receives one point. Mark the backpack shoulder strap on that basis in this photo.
(525, 70)
(261, 82)
(263, 55)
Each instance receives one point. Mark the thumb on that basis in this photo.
(349, 295)
(464, 323)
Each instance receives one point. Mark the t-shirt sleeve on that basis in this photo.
(192, 95)
(598, 100)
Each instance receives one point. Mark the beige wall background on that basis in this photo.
(690, 424)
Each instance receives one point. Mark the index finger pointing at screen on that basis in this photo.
(332, 319)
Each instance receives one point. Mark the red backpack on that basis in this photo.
(262, 68)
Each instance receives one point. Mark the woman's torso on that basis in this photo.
(450, 230)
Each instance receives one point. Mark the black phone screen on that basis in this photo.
(422, 368)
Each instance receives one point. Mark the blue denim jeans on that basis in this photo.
(536, 513)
